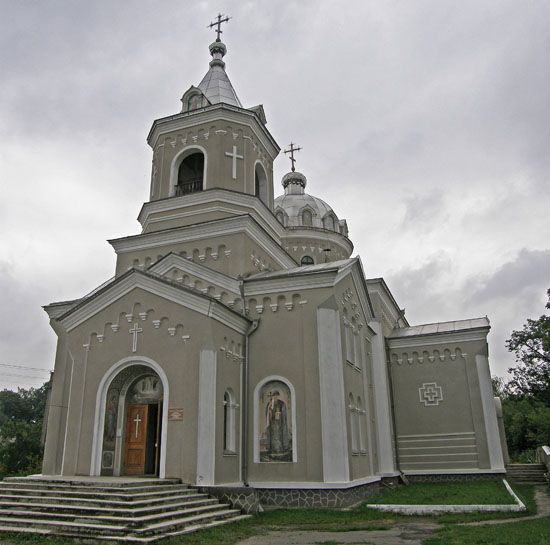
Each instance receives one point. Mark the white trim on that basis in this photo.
(176, 162)
(182, 297)
(316, 485)
(473, 471)
(318, 233)
(429, 339)
(333, 399)
(99, 417)
(256, 398)
(205, 273)
(206, 418)
(494, 445)
(289, 283)
(232, 198)
(381, 401)
(186, 120)
(192, 233)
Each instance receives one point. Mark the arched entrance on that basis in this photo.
(131, 418)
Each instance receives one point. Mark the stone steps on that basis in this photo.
(108, 510)
(526, 473)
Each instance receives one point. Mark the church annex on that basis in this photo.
(239, 346)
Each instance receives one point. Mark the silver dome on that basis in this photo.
(298, 209)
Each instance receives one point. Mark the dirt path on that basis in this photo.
(400, 534)
(542, 498)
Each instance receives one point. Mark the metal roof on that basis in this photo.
(217, 88)
(440, 327)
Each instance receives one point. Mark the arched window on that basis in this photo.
(352, 424)
(328, 222)
(360, 423)
(194, 102)
(229, 422)
(307, 260)
(350, 342)
(307, 218)
(190, 174)
(280, 217)
(260, 183)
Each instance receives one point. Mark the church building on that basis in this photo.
(240, 346)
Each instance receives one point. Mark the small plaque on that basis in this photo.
(175, 414)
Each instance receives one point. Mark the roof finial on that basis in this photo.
(218, 23)
(291, 150)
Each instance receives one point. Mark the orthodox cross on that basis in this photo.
(137, 420)
(218, 23)
(134, 331)
(291, 150)
(235, 157)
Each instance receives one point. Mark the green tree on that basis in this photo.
(531, 346)
(21, 417)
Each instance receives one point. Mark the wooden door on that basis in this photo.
(136, 440)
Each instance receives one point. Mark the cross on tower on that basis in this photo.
(291, 150)
(234, 156)
(218, 23)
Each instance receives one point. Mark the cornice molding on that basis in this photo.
(315, 280)
(209, 114)
(430, 339)
(179, 295)
(209, 275)
(238, 224)
(291, 233)
(264, 215)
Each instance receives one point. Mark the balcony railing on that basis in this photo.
(190, 186)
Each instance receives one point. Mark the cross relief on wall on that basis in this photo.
(430, 394)
(234, 155)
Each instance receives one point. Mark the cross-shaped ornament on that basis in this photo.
(234, 156)
(218, 23)
(134, 332)
(291, 150)
(137, 420)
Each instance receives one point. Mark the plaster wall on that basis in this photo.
(178, 357)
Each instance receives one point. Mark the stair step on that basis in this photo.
(119, 495)
(98, 510)
(75, 481)
(84, 509)
(76, 501)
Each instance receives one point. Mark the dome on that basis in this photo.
(298, 209)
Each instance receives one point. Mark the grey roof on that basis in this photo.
(305, 269)
(440, 327)
(217, 88)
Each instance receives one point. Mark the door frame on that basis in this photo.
(99, 419)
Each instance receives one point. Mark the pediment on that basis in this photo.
(158, 286)
(180, 269)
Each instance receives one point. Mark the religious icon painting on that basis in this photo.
(111, 411)
(275, 419)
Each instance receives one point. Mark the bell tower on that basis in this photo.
(214, 143)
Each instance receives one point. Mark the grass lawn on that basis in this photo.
(479, 492)
(529, 532)
(359, 518)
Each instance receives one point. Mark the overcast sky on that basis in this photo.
(426, 124)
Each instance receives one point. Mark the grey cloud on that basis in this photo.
(529, 272)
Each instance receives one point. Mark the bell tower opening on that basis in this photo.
(260, 183)
(190, 174)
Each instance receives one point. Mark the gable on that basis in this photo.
(89, 307)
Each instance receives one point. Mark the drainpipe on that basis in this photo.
(244, 389)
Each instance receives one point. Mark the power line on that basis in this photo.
(25, 375)
(25, 367)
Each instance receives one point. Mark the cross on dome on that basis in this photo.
(218, 23)
(291, 150)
